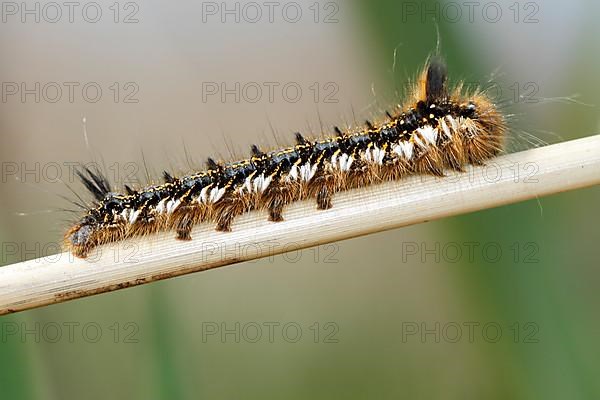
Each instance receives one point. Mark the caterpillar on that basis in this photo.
(437, 128)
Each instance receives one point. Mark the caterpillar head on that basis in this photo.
(87, 232)
(82, 237)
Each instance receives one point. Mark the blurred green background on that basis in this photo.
(395, 314)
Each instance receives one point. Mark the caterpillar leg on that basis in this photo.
(323, 198)
(277, 197)
(184, 218)
(276, 210)
(224, 223)
(184, 229)
(231, 208)
(324, 186)
(430, 163)
(226, 218)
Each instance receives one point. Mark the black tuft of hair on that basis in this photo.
(211, 164)
(129, 190)
(299, 138)
(256, 152)
(167, 177)
(95, 182)
(435, 86)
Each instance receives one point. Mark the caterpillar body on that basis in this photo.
(437, 128)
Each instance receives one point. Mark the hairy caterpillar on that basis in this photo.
(437, 128)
